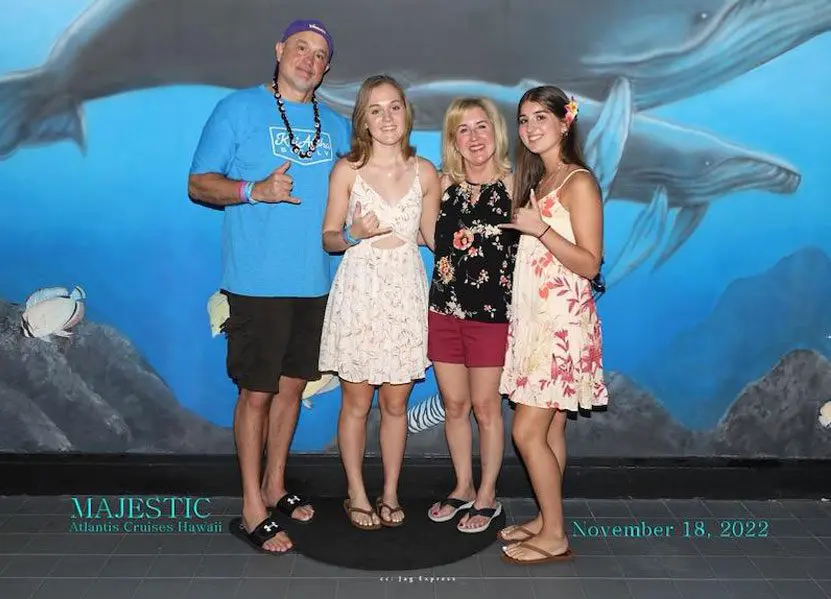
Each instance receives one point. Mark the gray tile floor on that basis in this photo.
(711, 554)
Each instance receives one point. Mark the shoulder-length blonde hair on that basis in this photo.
(451, 160)
(361, 140)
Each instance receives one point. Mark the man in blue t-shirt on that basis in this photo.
(265, 156)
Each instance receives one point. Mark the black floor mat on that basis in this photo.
(419, 543)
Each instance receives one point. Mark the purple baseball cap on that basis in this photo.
(318, 27)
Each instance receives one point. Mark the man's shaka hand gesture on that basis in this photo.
(276, 188)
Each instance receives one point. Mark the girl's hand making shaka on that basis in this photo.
(528, 219)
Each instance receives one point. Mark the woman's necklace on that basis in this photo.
(472, 190)
(548, 178)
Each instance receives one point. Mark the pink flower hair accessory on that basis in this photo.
(572, 108)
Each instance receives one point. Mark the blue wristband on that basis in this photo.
(249, 187)
(348, 238)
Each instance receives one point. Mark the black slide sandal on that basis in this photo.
(265, 531)
(487, 512)
(290, 502)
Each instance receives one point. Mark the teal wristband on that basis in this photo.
(348, 238)
(249, 187)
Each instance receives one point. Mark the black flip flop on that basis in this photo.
(488, 512)
(265, 531)
(290, 502)
(457, 505)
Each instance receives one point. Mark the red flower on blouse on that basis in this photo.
(462, 239)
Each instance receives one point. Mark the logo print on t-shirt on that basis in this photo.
(281, 147)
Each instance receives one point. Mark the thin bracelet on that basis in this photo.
(544, 232)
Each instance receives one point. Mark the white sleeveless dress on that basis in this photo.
(375, 327)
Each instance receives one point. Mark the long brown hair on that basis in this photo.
(361, 140)
(530, 169)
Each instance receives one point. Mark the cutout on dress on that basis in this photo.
(389, 241)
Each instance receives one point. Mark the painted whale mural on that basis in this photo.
(666, 49)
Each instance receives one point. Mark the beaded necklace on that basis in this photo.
(282, 108)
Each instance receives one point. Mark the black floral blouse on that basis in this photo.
(474, 259)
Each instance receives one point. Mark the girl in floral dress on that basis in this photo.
(554, 359)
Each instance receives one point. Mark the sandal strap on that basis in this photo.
(527, 545)
(351, 509)
(265, 531)
(380, 504)
(290, 502)
(391, 509)
(487, 512)
(453, 502)
(546, 554)
(520, 528)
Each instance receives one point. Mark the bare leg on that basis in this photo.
(455, 393)
(556, 439)
(249, 423)
(282, 421)
(487, 407)
(392, 400)
(355, 405)
(530, 432)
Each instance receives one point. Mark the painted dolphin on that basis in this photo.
(665, 167)
(665, 48)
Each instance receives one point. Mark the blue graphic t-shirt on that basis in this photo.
(273, 250)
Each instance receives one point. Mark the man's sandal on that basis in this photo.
(356, 510)
(380, 506)
(546, 559)
(257, 538)
(290, 502)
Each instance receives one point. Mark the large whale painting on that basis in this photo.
(668, 49)
(692, 116)
(663, 50)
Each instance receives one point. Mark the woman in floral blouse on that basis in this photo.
(469, 299)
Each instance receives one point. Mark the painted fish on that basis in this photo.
(825, 415)
(52, 312)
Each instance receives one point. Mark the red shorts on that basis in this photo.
(458, 341)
